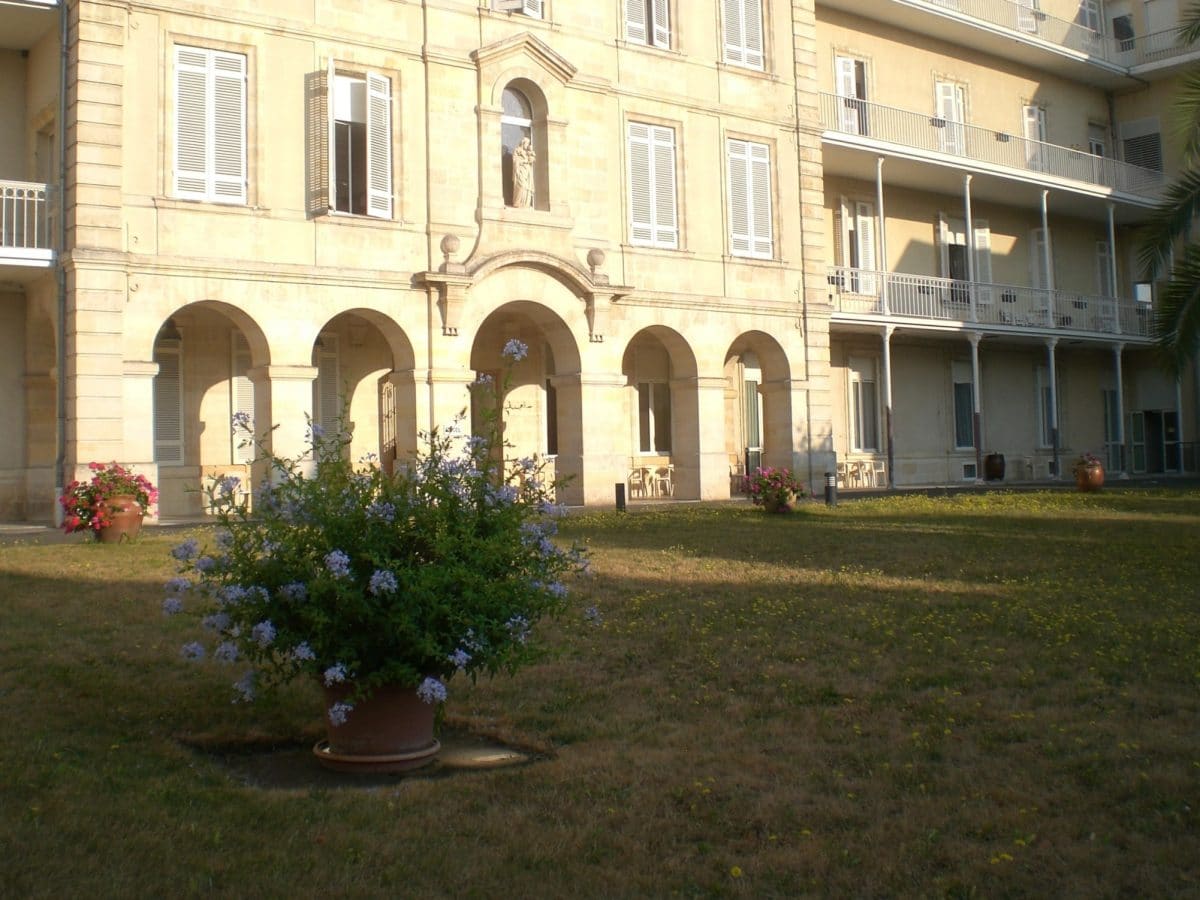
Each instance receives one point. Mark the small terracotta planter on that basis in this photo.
(1089, 478)
(125, 515)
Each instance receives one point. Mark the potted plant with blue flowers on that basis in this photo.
(381, 587)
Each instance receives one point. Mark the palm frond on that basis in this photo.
(1170, 221)
(1177, 317)
(1189, 25)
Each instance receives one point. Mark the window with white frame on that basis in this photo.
(168, 401)
(749, 172)
(360, 143)
(210, 125)
(648, 22)
(864, 404)
(851, 79)
(964, 405)
(1034, 123)
(743, 27)
(654, 417)
(951, 102)
(1088, 14)
(535, 9)
(653, 220)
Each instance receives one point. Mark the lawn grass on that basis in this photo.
(989, 695)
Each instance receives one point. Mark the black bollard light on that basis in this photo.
(620, 497)
(830, 489)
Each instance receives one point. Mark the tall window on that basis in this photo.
(360, 144)
(864, 405)
(1105, 286)
(516, 139)
(749, 166)
(1089, 14)
(168, 398)
(1034, 118)
(652, 211)
(852, 89)
(535, 9)
(743, 32)
(951, 113)
(647, 22)
(1141, 143)
(654, 417)
(964, 406)
(327, 392)
(210, 125)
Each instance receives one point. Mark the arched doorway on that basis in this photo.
(757, 406)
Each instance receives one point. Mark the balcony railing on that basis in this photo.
(1015, 307)
(1021, 17)
(1027, 20)
(848, 115)
(25, 217)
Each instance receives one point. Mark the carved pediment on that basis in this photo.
(527, 46)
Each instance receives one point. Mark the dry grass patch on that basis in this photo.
(987, 695)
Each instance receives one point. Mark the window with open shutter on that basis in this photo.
(359, 143)
(1034, 119)
(749, 175)
(652, 204)
(379, 146)
(168, 402)
(647, 22)
(743, 27)
(210, 125)
(535, 9)
(241, 399)
(951, 112)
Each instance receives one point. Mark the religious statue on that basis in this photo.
(522, 167)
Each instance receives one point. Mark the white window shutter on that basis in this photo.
(191, 123)
(532, 8)
(943, 245)
(229, 127)
(753, 31)
(331, 134)
(847, 88)
(983, 260)
(760, 171)
(662, 23)
(379, 146)
(666, 232)
(841, 232)
(328, 394)
(641, 211)
(864, 233)
(168, 403)
(635, 21)
(735, 42)
(241, 399)
(739, 197)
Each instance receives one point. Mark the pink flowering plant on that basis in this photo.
(772, 487)
(1086, 461)
(344, 573)
(87, 504)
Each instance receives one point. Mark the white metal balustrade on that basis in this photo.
(25, 216)
(1009, 306)
(848, 115)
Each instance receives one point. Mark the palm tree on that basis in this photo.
(1177, 320)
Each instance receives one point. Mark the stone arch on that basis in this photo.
(662, 405)
(758, 407)
(366, 380)
(537, 399)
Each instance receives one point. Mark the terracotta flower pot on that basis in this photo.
(1089, 478)
(125, 520)
(390, 731)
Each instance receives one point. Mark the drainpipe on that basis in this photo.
(1119, 425)
(881, 263)
(970, 245)
(60, 276)
(1051, 343)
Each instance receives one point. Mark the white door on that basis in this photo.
(852, 94)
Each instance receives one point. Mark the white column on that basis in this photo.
(887, 405)
(1120, 423)
(977, 391)
(1051, 343)
(970, 245)
(881, 262)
